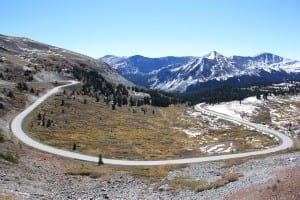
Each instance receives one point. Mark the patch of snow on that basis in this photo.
(211, 56)
(218, 148)
(236, 109)
(192, 133)
(228, 150)
(295, 98)
(26, 68)
(6, 83)
(31, 98)
(48, 77)
(140, 94)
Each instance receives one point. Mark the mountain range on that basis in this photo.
(20, 55)
(185, 74)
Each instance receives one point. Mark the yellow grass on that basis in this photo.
(199, 186)
(122, 133)
(105, 172)
(8, 197)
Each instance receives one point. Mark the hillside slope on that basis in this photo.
(23, 59)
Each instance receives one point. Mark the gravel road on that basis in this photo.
(16, 127)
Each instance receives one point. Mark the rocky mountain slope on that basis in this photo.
(23, 59)
(181, 74)
(143, 65)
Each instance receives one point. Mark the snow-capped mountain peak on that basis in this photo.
(212, 55)
(181, 74)
(268, 58)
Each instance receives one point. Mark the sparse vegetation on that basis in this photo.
(8, 197)
(10, 94)
(199, 186)
(1, 139)
(82, 172)
(126, 132)
(232, 162)
(263, 116)
(9, 157)
(151, 173)
(117, 134)
(22, 86)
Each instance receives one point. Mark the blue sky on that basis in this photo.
(158, 27)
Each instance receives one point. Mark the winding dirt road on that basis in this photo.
(17, 130)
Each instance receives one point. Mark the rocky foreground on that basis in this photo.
(39, 175)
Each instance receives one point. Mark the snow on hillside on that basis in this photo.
(283, 111)
(238, 109)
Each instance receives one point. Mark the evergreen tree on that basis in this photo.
(48, 123)
(131, 102)
(125, 101)
(39, 116)
(100, 161)
(97, 98)
(10, 94)
(31, 90)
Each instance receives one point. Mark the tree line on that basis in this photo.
(231, 93)
(95, 85)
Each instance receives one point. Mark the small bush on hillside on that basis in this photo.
(1, 139)
(9, 157)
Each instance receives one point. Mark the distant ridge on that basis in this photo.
(182, 74)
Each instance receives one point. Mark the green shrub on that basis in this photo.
(1, 139)
(9, 157)
(79, 173)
